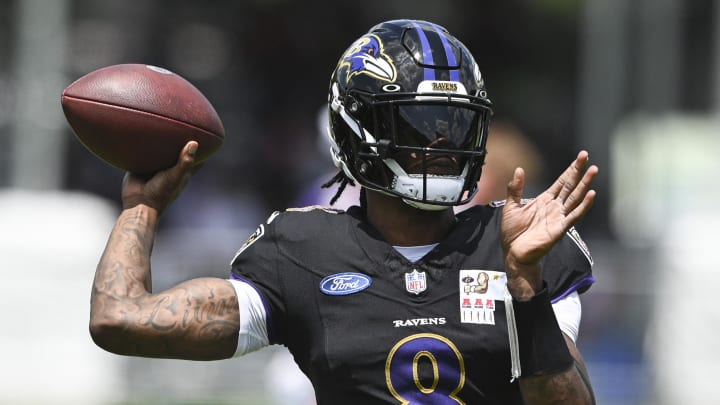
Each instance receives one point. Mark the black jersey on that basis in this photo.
(369, 327)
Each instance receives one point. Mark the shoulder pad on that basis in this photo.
(259, 233)
(329, 210)
(575, 236)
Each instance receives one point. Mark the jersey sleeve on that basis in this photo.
(256, 263)
(568, 267)
(568, 312)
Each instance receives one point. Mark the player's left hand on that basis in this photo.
(529, 231)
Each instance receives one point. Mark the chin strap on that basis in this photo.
(445, 189)
(424, 206)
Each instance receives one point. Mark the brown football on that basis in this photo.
(138, 117)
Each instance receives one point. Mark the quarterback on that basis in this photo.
(397, 300)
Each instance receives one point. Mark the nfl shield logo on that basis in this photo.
(415, 282)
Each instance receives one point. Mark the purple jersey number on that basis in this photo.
(403, 376)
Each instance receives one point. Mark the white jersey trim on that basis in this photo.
(568, 312)
(253, 333)
(415, 253)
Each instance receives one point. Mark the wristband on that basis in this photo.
(541, 347)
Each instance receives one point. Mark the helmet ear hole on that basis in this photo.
(352, 104)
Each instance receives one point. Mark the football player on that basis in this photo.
(397, 300)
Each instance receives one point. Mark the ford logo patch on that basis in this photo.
(344, 283)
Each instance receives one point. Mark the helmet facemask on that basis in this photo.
(423, 147)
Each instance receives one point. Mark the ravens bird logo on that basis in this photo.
(366, 56)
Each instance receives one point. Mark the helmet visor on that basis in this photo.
(439, 126)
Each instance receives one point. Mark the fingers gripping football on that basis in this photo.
(160, 190)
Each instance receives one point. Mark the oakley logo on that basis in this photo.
(391, 88)
(344, 283)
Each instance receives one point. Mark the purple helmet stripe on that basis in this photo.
(427, 52)
(454, 73)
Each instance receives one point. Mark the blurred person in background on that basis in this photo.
(508, 147)
(318, 190)
(397, 300)
(285, 383)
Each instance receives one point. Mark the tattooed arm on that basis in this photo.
(196, 320)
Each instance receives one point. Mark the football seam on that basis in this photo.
(87, 100)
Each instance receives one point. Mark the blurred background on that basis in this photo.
(635, 82)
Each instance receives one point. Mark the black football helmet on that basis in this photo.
(409, 114)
